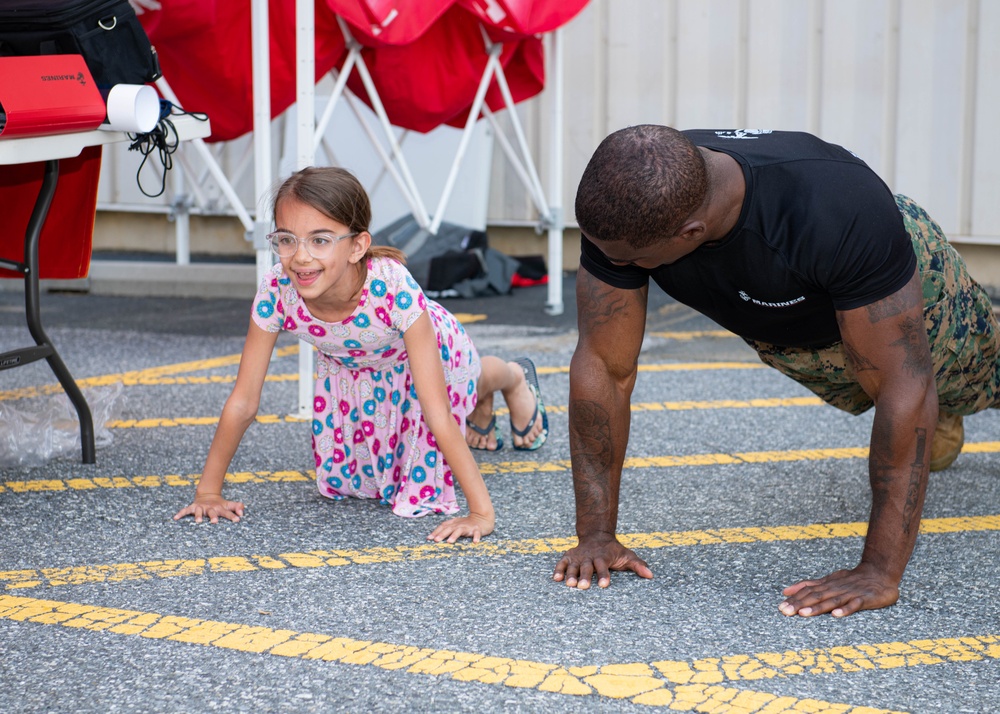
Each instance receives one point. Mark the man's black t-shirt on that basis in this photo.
(819, 231)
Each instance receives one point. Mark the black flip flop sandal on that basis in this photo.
(528, 367)
(485, 431)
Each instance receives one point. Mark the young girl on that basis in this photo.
(397, 376)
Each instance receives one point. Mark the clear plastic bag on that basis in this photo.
(36, 430)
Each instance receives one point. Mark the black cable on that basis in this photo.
(163, 140)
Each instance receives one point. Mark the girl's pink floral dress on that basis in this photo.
(369, 435)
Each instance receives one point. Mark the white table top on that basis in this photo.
(23, 150)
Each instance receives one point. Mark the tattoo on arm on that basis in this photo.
(881, 468)
(880, 465)
(858, 361)
(590, 431)
(602, 303)
(918, 471)
(895, 304)
(918, 357)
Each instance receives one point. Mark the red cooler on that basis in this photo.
(67, 236)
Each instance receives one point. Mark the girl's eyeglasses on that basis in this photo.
(319, 246)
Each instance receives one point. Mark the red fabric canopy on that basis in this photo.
(205, 53)
(388, 22)
(426, 57)
(524, 17)
(432, 80)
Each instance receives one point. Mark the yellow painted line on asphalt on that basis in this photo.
(638, 462)
(182, 480)
(558, 369)
(138, 377)
(698, 366)
(689, 405)
(692, 334)
(202, 380)
(168, 374)
(767, 403)
(172, 568)
(148, 380)
(673, 367)
(832, 660)
(175, 480)
(488, 469)
(167, 422)
(654, 684)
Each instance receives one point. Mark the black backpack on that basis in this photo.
(106, 32)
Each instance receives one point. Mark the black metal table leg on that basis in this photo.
(44, 347)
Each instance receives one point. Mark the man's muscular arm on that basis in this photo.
(886, 344)
(602, 374)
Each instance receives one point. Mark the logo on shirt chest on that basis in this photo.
(762, 303)
(742, 133)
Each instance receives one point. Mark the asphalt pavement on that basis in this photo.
(737, 484)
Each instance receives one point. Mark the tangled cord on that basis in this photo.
(163, 140)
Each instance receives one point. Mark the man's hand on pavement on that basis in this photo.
(579, 564)
(842, 593)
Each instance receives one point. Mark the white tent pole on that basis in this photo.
(263, 172)
(422, 218)
(515, 161)
(239, 170)
(554, 305)
(416, 206)
(366, 79)
(508, 100)
(377, 181)
(305, 83)
(305, 153)
(492, 68)
(182, 220)
(353, 56)
(338, 88)
(213, 165)
(194, 186)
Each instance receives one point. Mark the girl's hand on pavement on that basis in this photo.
(472, 526)
(212, 507)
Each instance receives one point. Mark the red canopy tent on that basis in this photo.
(425, 57)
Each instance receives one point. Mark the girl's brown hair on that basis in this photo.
(337, 194)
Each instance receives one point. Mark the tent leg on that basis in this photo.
(212, 164)
(492, 68)
(180, 208)
(421, 214)
(554, 306)
(305, 144)
(263, 171)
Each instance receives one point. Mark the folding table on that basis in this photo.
(50, 149)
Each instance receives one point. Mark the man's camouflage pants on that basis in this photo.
(962, 331)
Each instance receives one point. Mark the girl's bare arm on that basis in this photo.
(428, 378)
(237, 415)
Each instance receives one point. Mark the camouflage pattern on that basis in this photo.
(961, 328)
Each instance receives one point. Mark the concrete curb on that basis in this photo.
(156, 279)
